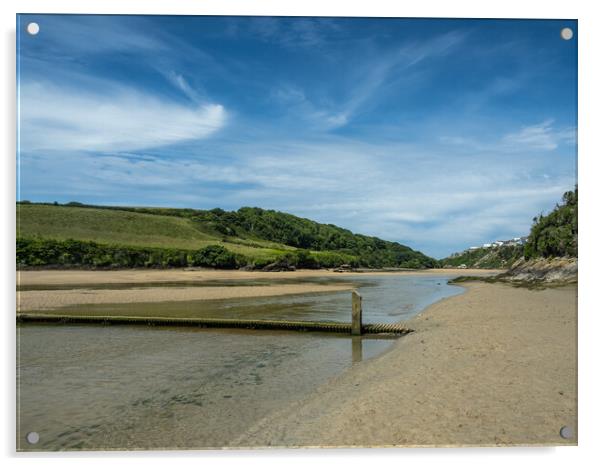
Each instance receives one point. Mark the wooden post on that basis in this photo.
(356, 313)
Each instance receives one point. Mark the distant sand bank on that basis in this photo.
(494, 366)
(82, 277)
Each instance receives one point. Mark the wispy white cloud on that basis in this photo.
(78, 40)
(541, 136)
(55, 118)
(82, 35)
(301, 107)
(180, 82)
(544, 136)
(300, 33)
(474, 100)
(365, 83)
(397, 65)
(414, 53)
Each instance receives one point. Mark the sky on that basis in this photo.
(438, 134)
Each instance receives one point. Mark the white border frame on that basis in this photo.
(590, 74)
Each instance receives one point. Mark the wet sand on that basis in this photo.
(38, 300)
(494, 366)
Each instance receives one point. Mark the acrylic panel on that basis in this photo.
(253, 232)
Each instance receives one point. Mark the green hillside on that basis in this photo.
(129, 228)
(109, 226)
(103, 236)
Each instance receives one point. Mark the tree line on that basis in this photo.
(44, 252)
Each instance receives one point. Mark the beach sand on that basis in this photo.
(83, 277)
(494, 366)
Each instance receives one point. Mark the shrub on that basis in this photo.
(305, 260)
(73, 253)
(215, 256)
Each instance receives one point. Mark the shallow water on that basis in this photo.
(386, 299)
(133, 387)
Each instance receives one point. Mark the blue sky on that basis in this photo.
(439, 134)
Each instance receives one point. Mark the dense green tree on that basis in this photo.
(555, 234)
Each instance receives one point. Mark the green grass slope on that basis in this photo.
(50, 234)
(130, 228)
(109, 226)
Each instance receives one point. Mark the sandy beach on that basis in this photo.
(494, 366)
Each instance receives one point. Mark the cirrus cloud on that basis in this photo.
(541, 136)
(55, 118)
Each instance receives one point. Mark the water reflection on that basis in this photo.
(356, 349)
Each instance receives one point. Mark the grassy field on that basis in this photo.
(75, 234)
(130, 229)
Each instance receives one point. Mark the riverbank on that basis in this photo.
(51, 289)
(496, 365)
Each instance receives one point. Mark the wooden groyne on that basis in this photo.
(332, 327)
(356, 327)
